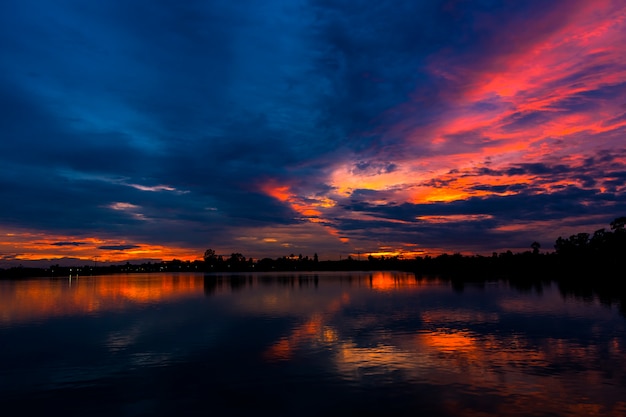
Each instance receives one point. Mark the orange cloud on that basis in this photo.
(583, 55)
(543, 99)
(309, 207)
(540, 100)
(27, 246)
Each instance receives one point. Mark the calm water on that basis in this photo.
(306, 345)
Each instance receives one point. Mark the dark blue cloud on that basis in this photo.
(118, 247)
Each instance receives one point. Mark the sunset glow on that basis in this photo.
(29, 246)
(332, 129)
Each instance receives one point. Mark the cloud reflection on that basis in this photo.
(38, 299)
(470, 349)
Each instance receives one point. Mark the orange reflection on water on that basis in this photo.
(448, 342)
(27, 300)
(386, 281)
(506, 375)
(284, 348)
(354, 361)
(313, 329)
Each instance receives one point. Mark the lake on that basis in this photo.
(305, 344)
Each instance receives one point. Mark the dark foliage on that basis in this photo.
(593, 260)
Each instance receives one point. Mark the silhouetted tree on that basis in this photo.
(209, 255)
(573, 246)
(237, 258)
(618, 224)
(599, 241)
(535, 247)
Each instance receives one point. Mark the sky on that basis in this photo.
(148, 130)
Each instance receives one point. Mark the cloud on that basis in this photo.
(118, 247)
(197, 124)
(123, 206)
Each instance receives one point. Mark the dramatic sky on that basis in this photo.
(154, 129)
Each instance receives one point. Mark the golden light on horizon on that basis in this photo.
(30, 246)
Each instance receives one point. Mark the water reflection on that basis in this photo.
(382, 343)
(36, 299)
(480, 352)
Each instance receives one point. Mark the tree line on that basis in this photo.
(598, 256)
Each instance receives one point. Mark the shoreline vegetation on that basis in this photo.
(583, 260)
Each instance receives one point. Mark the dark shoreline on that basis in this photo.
(582, 265)
(596, 259)
(580, 278)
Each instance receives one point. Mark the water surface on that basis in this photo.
(305, 344)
